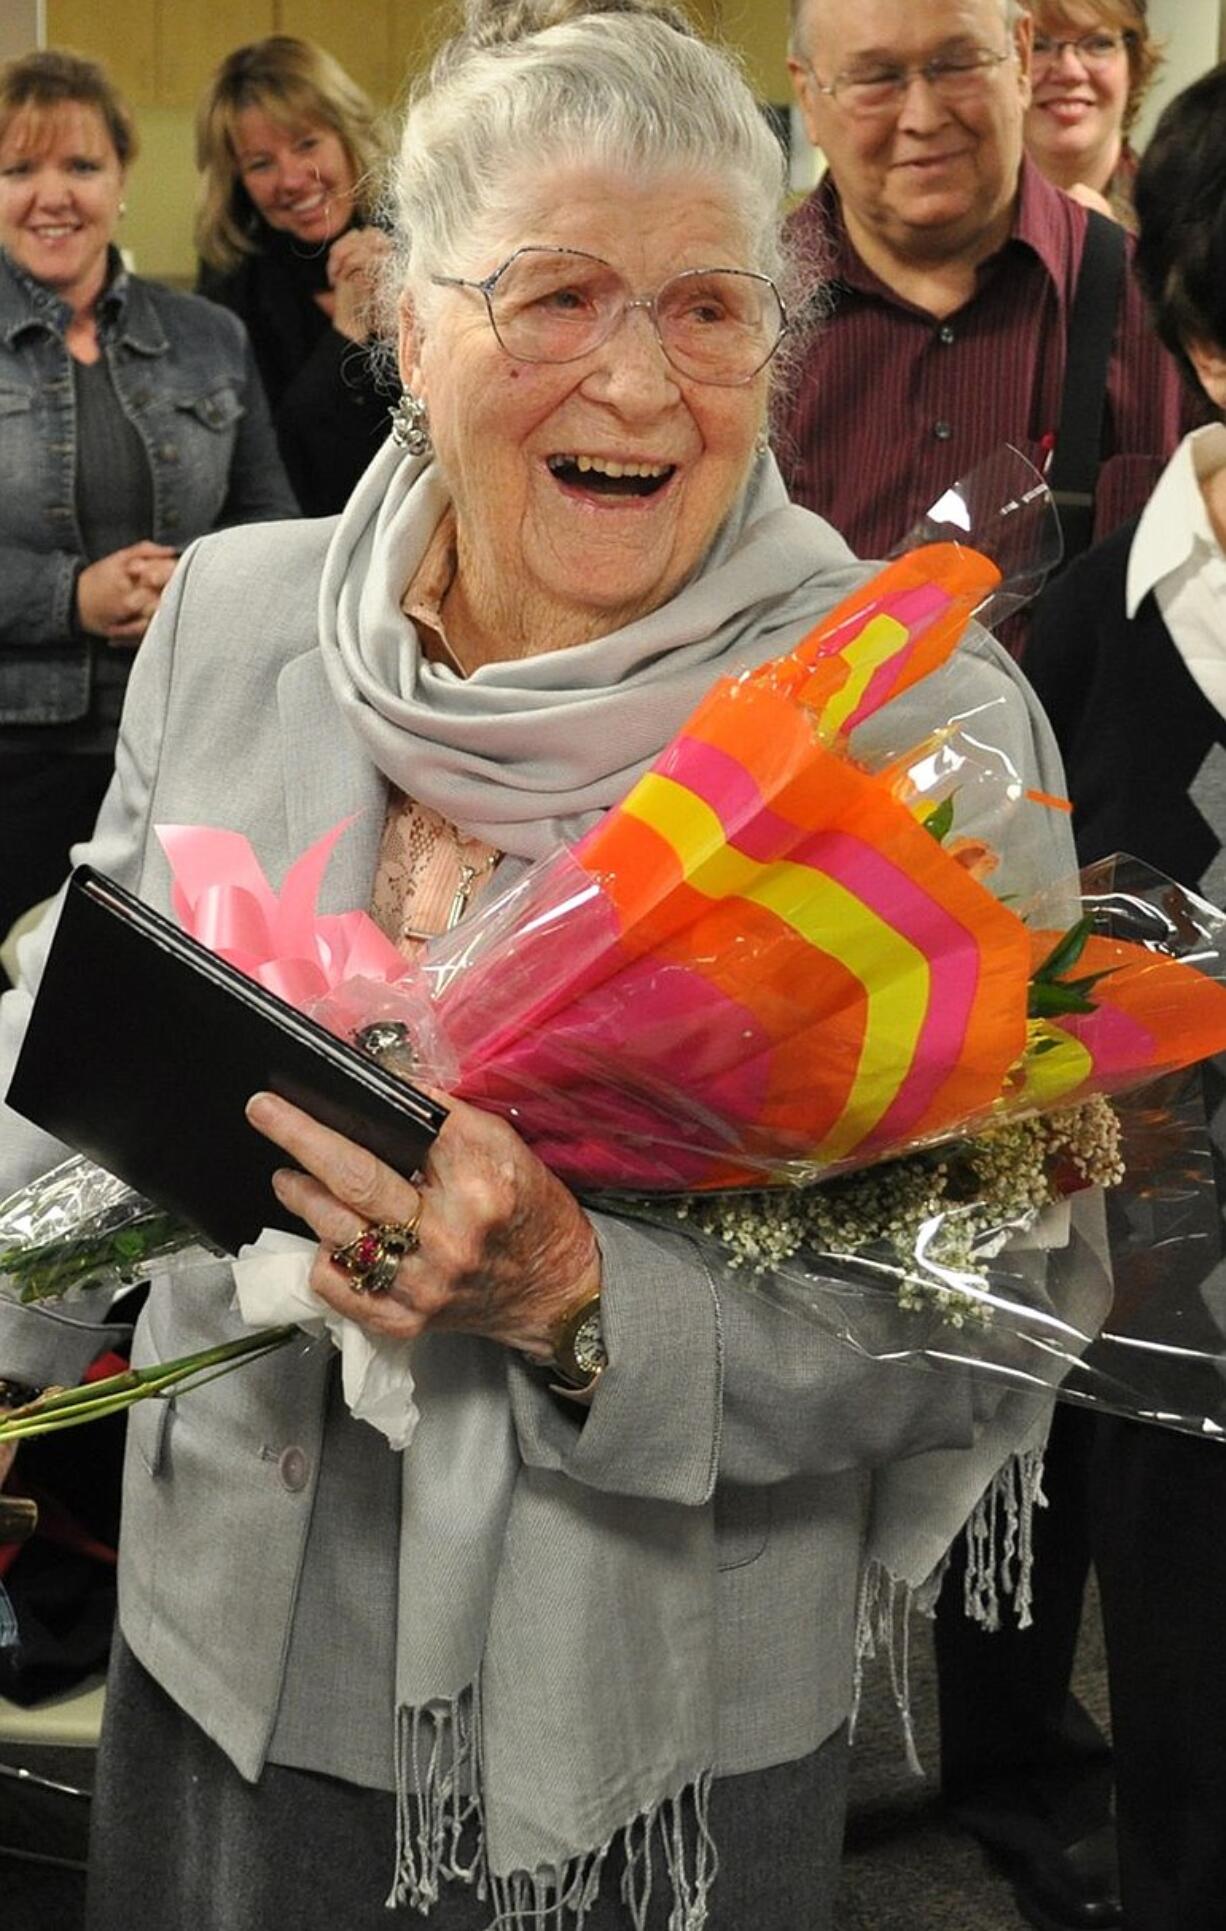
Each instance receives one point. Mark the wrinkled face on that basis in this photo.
(299, 178)
(61, 184)
(930, 175)
(1076, 117)
(587, 490)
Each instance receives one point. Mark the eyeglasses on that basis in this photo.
(881, 89)
(717, 325)
(1092, 50)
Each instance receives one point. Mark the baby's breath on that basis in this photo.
(934, 1217)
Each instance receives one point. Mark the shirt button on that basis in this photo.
(942, 432)
(945, 334)
(171, 519)
(293, 1468)
(168, 453)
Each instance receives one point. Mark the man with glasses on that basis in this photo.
(950, 266)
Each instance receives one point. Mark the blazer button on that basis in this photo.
(293, 1469)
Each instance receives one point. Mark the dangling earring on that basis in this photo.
(762, 441)
(123, 209)
(411, 425)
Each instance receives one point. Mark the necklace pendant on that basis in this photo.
(468, 876)
(461, 896)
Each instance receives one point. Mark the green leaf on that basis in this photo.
(1068, 950)
(940, 820)
(1050, 997)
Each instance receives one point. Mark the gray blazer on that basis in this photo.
(718, 1402)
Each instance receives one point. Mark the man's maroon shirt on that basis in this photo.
(892, 405)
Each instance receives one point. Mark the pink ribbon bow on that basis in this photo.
(222, 898)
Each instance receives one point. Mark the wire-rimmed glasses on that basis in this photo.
(881, 86)
(1097, 49)
(719, 325)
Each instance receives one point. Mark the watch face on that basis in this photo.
(588, 1345)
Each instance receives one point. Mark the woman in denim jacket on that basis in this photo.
(131, 421)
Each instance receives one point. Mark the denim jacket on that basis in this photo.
(183, 372)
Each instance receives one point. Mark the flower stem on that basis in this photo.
(73, 1407)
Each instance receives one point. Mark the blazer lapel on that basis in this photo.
(328, 777)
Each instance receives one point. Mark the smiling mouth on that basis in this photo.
(602, 477)
(303, 209)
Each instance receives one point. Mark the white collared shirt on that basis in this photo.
(1176, 554)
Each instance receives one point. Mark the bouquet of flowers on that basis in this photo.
(770, 998)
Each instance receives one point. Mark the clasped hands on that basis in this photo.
(502, 1248)
(118, 596)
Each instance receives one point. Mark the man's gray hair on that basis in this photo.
(1012, 10)
(622, 91)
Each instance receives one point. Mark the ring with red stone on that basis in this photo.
(372, 1258)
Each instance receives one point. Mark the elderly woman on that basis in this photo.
(132, 422)
(286, 148)
(1092, 64)
(597, 1629)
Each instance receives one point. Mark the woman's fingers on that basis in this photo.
(374, 1190)
(331, 1219)
(369, 1286)
(503, 1247)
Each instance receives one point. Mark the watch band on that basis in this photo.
(578, 1355)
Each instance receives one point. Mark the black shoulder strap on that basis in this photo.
(1091, 331)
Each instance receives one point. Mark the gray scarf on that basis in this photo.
(510, 1580)
(525, 754)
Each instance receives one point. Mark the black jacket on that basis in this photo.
(329, 407)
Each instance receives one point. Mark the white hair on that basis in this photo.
(617, 90)
(1011, 9)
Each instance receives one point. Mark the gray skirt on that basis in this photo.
(179, 1842)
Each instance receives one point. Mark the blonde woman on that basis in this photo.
(1091, 68)
(286, 147)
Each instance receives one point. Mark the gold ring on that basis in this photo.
(372, 1258)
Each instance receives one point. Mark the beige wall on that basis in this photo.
(21, 26)
(1197, 45)
(161, 52)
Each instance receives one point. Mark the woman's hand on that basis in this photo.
(503, 1249)
(355, 264)
(118, 596)
(1091, 198)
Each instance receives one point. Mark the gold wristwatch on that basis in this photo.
(579, 1356)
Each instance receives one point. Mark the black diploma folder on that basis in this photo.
(143, 1049)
